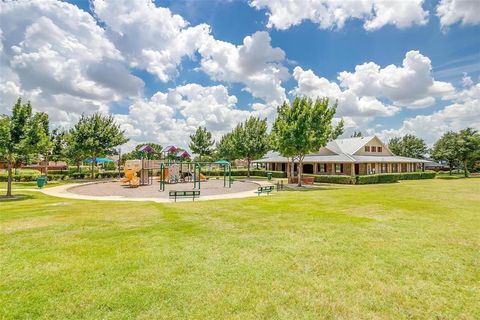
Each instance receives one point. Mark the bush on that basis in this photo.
(338, 179)
(23, 175)
(377, 178)
(394, 177)
(243, 173)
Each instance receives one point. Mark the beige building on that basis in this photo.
(353, 156)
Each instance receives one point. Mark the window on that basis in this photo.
(338, 168)
(394, 167)
(374, 149)
(384, 167)
(322, 167)
(379, 149)
(367, 148)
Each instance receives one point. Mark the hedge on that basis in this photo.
(339, 179)
(394, 177)
(377, 178)
(243, 173)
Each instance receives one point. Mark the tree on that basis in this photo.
(226, 148)
(468, 147)
(97, 135)
(136, 154)
(251, 140)
(408, 146)
(445, 149)
(356, 134)
(74, 151)
(19, 135)
(201, 142)
(304, 127)
(59, 141)
(40, 137)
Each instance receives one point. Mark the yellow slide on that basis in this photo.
(202, 178)
(131, 169)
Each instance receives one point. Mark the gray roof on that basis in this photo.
(344, 149)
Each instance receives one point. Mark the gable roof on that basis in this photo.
(351, 145)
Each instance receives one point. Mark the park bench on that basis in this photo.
(266, 190)
(184, 194)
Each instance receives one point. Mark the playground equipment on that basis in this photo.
(141, 172)
(182, 172)
(132, 167)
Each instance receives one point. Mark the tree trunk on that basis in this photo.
(9, 179)
(92, 174)
(78, 166)
(288, 168)
(46, 167)
(292, 168)
(248, 168)
(300, 170)
(450, 166)
(465, 170)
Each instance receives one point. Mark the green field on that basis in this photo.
(408, 250)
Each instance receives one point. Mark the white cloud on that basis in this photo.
(170, 117)
(463, 113)
(150, 37)
(254, 63)
(349, 103)
(328, 14)
(56, 55)
(453, 11)
(411, 85)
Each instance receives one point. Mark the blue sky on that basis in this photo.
(170, 82)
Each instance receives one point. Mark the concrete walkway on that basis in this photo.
(63, 192)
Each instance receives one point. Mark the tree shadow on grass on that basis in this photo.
(15, 197)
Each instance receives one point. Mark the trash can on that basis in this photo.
(269, 176)
(41, 181)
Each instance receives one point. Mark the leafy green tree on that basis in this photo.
(59, 141)
(445, 149)
(40, 137)
(201, 142)
(20, 135)
(251, 140)
(408, 146)
(74, 151)
(97, 135)
(136, 154)
(468, 147)
(226, 148)
(356, 134)
(304, 127)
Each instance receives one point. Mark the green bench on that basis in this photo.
(184, 194)
(266, 190)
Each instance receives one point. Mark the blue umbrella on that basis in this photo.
(98, 160)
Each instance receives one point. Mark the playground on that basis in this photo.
(210, 187)
(165, 179)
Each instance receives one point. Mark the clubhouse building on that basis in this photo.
(353, 156)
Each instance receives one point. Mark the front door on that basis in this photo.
(357, 169)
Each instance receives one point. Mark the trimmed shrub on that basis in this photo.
(243, 173)
(377, 178)
(394, 177)
(338, 179)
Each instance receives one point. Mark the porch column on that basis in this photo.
(389, 167)
(352, 169)
(315, 168)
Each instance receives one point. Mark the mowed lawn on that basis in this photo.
(409, 250)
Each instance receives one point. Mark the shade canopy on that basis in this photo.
(98, 160)
(146, 148)
(222, 162)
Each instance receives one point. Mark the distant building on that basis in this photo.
(352, 156)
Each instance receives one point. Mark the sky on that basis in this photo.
(165, 67)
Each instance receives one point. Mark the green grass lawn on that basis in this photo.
(408, 250)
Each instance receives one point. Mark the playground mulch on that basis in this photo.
(116, 188)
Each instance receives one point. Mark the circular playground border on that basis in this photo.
(65, 191)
